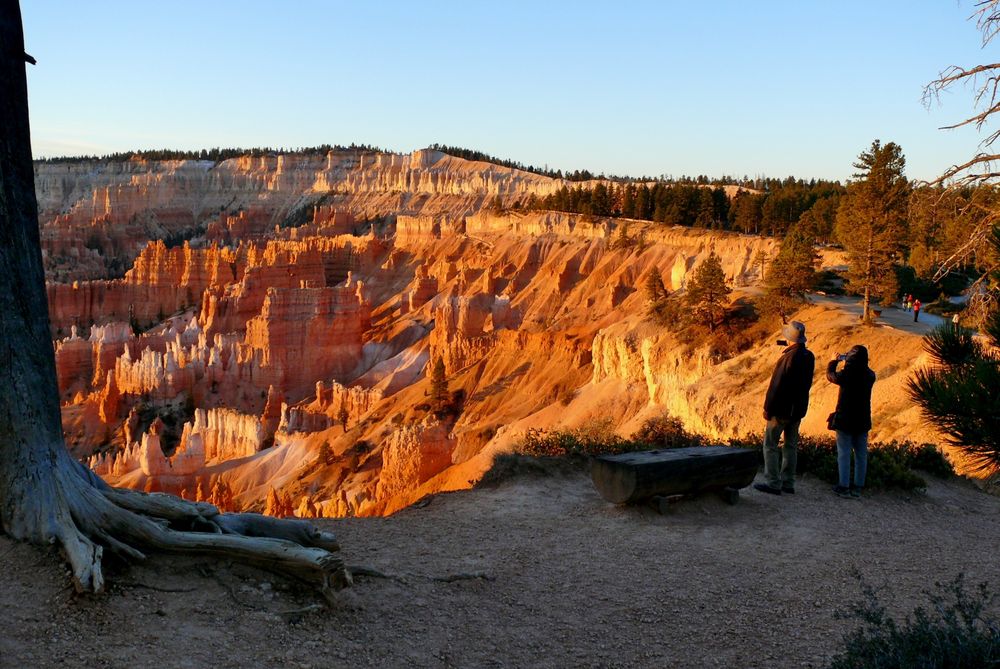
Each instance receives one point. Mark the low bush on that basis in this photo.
(957, 631)
(598, 438)
(665, 431)
(890, 465)
(544, 443)
(511, 465)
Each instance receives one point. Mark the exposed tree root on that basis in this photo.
(85, 516)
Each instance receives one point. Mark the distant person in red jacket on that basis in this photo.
(916, 310)
(785, 405)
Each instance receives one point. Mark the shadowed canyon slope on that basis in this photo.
(261, 332)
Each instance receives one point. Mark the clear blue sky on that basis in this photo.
(796, 87)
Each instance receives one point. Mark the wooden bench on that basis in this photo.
(661, 476)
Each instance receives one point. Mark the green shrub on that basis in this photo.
(818, 456)
(598, 438)
(542, 443)
(955, 632)
(890, 465)
(665, 431)
(930, 459)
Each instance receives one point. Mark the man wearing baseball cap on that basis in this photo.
(785, 405)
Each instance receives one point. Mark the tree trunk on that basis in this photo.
(869, 259)
(46, 496)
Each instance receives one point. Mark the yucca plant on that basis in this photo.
(960, 391)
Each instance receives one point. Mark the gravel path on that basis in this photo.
(537, 571)
(892, 316)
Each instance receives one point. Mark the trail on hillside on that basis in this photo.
(891, 316)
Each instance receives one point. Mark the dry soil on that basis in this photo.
(536, 571)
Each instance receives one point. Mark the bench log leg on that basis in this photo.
(731, 495)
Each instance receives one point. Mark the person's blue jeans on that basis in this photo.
(780, 460)
(848, 443)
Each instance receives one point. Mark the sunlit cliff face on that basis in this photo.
(280, 358)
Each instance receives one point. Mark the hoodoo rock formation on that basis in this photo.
(268, 326)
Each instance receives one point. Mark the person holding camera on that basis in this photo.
(853, 418)
(785, 405)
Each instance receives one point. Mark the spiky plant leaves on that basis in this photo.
(953, 349)
(960, 395)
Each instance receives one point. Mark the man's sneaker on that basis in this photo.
(788, 489)
(770, 490)
(856, 492)
(841, 491)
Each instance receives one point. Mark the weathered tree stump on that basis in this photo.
(642, 475)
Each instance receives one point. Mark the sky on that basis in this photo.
(672, 87)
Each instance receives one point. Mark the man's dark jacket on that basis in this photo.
(788, 395)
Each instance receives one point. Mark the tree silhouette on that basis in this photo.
(707, 291)
(654, 288)
(342, 415)
(871, 222)
(793, 271)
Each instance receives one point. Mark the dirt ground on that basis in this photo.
(536, 571)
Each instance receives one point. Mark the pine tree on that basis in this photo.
(342, 415)
(621, 239)
(760, 261)
(793, 271)
(707, 291)
(654, 288)
(439, 384)
(746, 212)
(871, 222)
(706, 209)
(324, 455)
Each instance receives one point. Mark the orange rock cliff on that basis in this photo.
(270, 324)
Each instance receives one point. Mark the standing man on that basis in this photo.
(785, 405)
(916, 310)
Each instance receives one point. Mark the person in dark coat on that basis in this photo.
(853, 418)
(785, 405)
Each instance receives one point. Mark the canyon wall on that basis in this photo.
(276, 320)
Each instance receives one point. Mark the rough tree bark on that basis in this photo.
(46, 496)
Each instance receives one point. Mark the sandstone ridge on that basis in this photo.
(284, 347)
